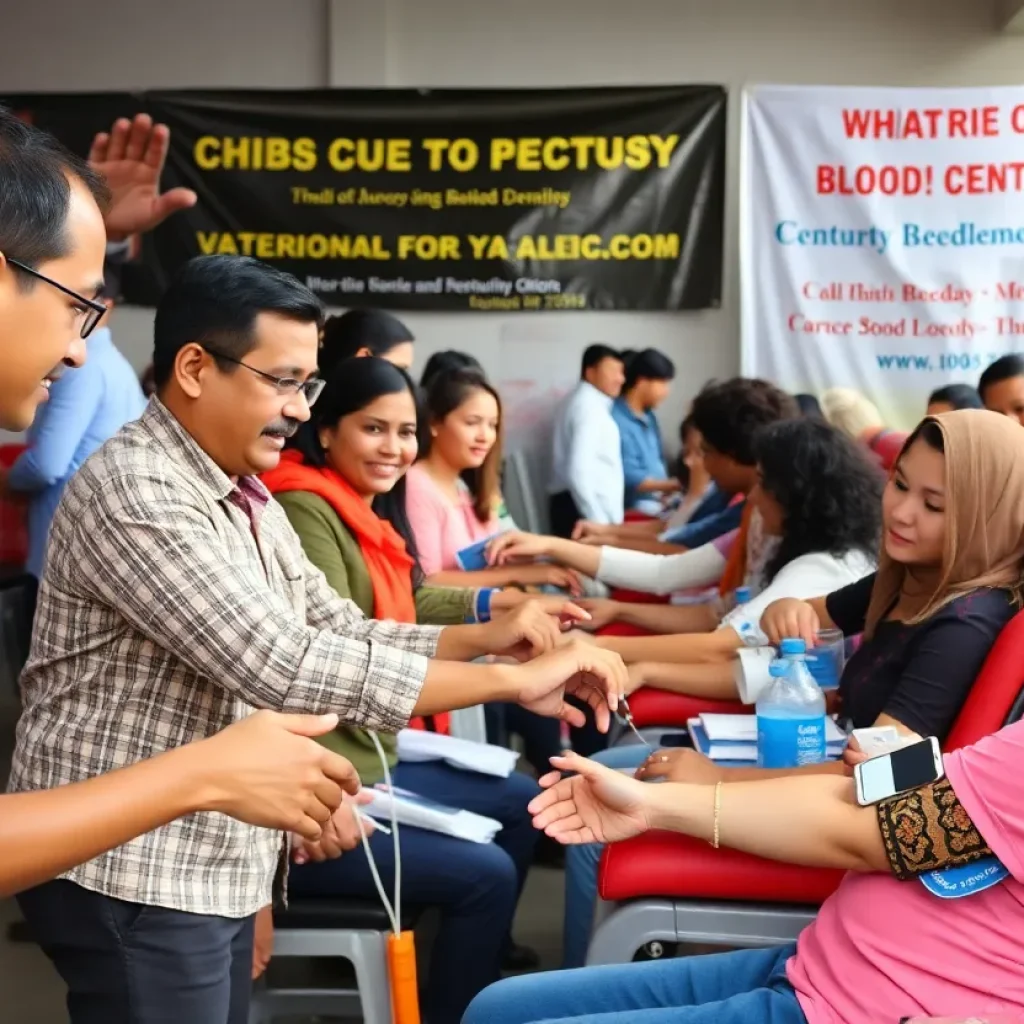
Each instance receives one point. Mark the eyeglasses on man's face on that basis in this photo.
(91, 310)
(310, 388)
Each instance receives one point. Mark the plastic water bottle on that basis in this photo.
(791, 713)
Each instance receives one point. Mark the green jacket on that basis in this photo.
(334, 551)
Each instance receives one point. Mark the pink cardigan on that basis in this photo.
(440, 527)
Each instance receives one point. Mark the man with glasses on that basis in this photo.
(54, 211)
(176, 598)
(86, 407)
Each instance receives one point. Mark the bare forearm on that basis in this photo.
(497, 577)
(761, 774)
(46, 832)
(650, 545)
(667, 618)
(688, 648)
(451, 685)
(658, 486)
(713, 680)
(812, 820)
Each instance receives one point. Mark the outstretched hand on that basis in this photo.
(595, 676)
(131, 158)
(595, 805)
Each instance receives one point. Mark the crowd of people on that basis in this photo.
(252, 572)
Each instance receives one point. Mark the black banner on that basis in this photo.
(492, 200)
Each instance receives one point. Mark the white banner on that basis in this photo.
(881, 238)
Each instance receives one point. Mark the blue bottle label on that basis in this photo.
(789, 742)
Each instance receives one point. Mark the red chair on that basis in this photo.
(676, 888)
(13, 518)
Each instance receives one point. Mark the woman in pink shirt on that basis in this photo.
(883, 946)
(453, 494)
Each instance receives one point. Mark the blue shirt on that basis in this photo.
(698, 532)
(87, 406)
(642, 457)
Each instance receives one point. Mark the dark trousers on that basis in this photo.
(564, 514)
(474, 885)
(130, 963)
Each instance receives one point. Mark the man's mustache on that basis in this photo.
(282, 428)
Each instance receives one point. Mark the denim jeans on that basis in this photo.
(475, 885)
(745, 987)
(581, 863)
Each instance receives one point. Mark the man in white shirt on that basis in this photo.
(587, 479)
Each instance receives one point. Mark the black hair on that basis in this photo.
(35, 193)
(373, 329)
(680, 470)
(593, 355)
(959, 396)
(729, 413)
(828, 489)
(928, 431)
(444, 393)
(1002, 369)
(215, 300)
(449, 359)
(809, 406)
(352, 385)
(650, 364)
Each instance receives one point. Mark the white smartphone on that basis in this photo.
(899, 771)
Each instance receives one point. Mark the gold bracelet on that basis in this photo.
(718, 810)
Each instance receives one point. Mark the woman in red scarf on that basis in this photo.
(343, 491)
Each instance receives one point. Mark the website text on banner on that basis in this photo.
(882, 238)
(494, 200)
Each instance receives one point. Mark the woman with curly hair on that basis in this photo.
(817, 505)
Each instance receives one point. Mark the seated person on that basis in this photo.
(858, 417)
(343, 491)
(700, 498)
(882, 946)
(1001, 387)
(814, 528)
(727, 415)
(366, 332)
(948, 581)
(453, 492)
(953, 397)
(648, 378)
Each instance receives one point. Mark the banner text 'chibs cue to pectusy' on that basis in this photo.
(882, 238)
(449, 200)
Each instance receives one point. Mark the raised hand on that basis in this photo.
(595, 805)
(131, 157)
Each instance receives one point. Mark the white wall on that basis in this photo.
(248, 43)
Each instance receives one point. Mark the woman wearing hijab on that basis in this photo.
(949, 578)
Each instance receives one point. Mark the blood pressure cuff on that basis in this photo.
(928, 830)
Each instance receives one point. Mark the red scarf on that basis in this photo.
(387, 561)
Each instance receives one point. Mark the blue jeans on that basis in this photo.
(474, 885)
(745, 987)
(581, 863)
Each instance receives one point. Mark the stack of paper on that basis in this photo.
(419, 812)
(485, 758)
(734, 737)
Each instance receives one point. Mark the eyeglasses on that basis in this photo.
(310, 389)
(91, 309)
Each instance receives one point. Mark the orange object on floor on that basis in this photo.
(405, 999)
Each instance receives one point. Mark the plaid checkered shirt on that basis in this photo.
(173, 603)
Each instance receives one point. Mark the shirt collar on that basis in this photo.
(644, 419)
(588, 389)
(169, 433)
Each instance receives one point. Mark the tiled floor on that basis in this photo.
(31, 993)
